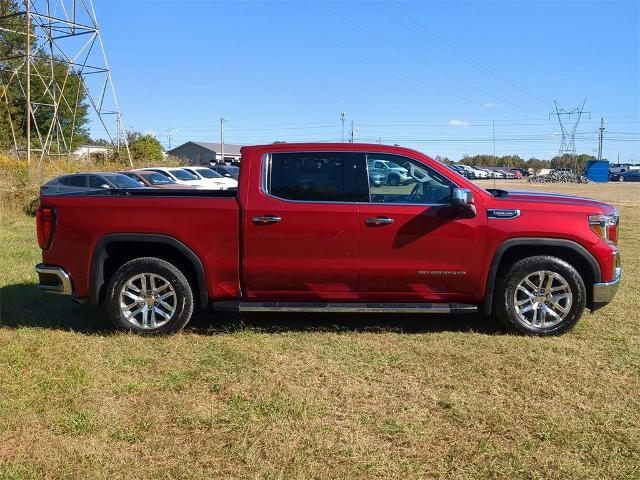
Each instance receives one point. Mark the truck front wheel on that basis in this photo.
(540, 295)
(149, 295)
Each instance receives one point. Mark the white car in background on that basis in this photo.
(180, 176)
(213, 178)
(478, 173)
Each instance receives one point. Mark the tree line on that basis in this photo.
(536, 164)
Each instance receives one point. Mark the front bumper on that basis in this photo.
(604, 292)
(54, 279)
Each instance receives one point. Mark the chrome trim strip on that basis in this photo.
(63, 288)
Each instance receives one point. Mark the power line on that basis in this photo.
(429, 64)
(463, 54)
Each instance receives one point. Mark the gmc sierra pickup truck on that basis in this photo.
(306, 231)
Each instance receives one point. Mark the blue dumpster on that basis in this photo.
(597, 170)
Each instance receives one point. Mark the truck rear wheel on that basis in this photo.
(540, 295)
(149, 295)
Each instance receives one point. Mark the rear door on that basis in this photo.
(301, 228)
(414, 246)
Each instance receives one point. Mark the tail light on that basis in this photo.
(605, 226)
(46, 225)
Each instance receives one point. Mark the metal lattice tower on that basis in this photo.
(569, 126)
(63, 34)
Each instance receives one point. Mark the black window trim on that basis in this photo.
(266, 171)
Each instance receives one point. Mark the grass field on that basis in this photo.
(317, 396)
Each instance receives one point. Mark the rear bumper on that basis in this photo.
(54, 279)
(603, 293)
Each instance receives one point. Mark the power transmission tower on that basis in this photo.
(601, 138)
(568, 128)
(60, 36)
(342, 117)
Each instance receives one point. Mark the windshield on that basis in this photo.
(208, 173)
(157, 179)
(183, 174)
(122, 181)
(391, 164)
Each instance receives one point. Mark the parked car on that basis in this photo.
(153, 179)
(180, 176)
(229, 171)
(478, 173)
(627, 176)
(561, 170)
(393, 174)
(214, 179)
(306, 232)
(89, 181)
(523, 171)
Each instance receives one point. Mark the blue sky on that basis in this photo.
(429, 75)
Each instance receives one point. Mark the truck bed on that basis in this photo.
(207, 221)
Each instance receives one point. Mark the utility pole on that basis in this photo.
(169, 137)
(342, 115)
(28, 61)
(351, 134)
(222, 122)
(601, 138)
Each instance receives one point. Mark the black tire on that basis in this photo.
(505, 308)
(394, 180)
(182, 302)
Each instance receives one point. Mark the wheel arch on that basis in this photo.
(113, 250)
(514, 249)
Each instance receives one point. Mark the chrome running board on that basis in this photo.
(337, 307)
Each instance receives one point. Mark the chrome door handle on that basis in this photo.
(264, 220)
(379, 221)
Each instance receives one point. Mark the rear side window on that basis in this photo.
(326, 176)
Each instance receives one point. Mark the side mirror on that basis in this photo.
(105, 186)
(462, 199)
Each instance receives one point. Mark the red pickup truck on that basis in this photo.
(317, 227)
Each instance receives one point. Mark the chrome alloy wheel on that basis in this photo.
(148, 301)
(542, 299)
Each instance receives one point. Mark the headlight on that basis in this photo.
(605, 226)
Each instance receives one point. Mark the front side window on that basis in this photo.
(96, 182)
(181, 174)
(398, 179)
(77, 181)
(155, 178)
(326, 176)
(207, 173)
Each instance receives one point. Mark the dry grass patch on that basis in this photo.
(313, 396)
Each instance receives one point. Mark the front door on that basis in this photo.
(301, 229)
(414, 246)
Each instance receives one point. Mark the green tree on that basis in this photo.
(144, 147)
(49, 80)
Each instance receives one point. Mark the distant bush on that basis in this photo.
(20, 183)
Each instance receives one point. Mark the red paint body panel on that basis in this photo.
(208, 226)
(324, 251)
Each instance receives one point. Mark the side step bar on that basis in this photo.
(322, 307)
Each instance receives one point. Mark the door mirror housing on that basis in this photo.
(462, 199)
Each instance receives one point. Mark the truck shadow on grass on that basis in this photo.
(24, 305)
